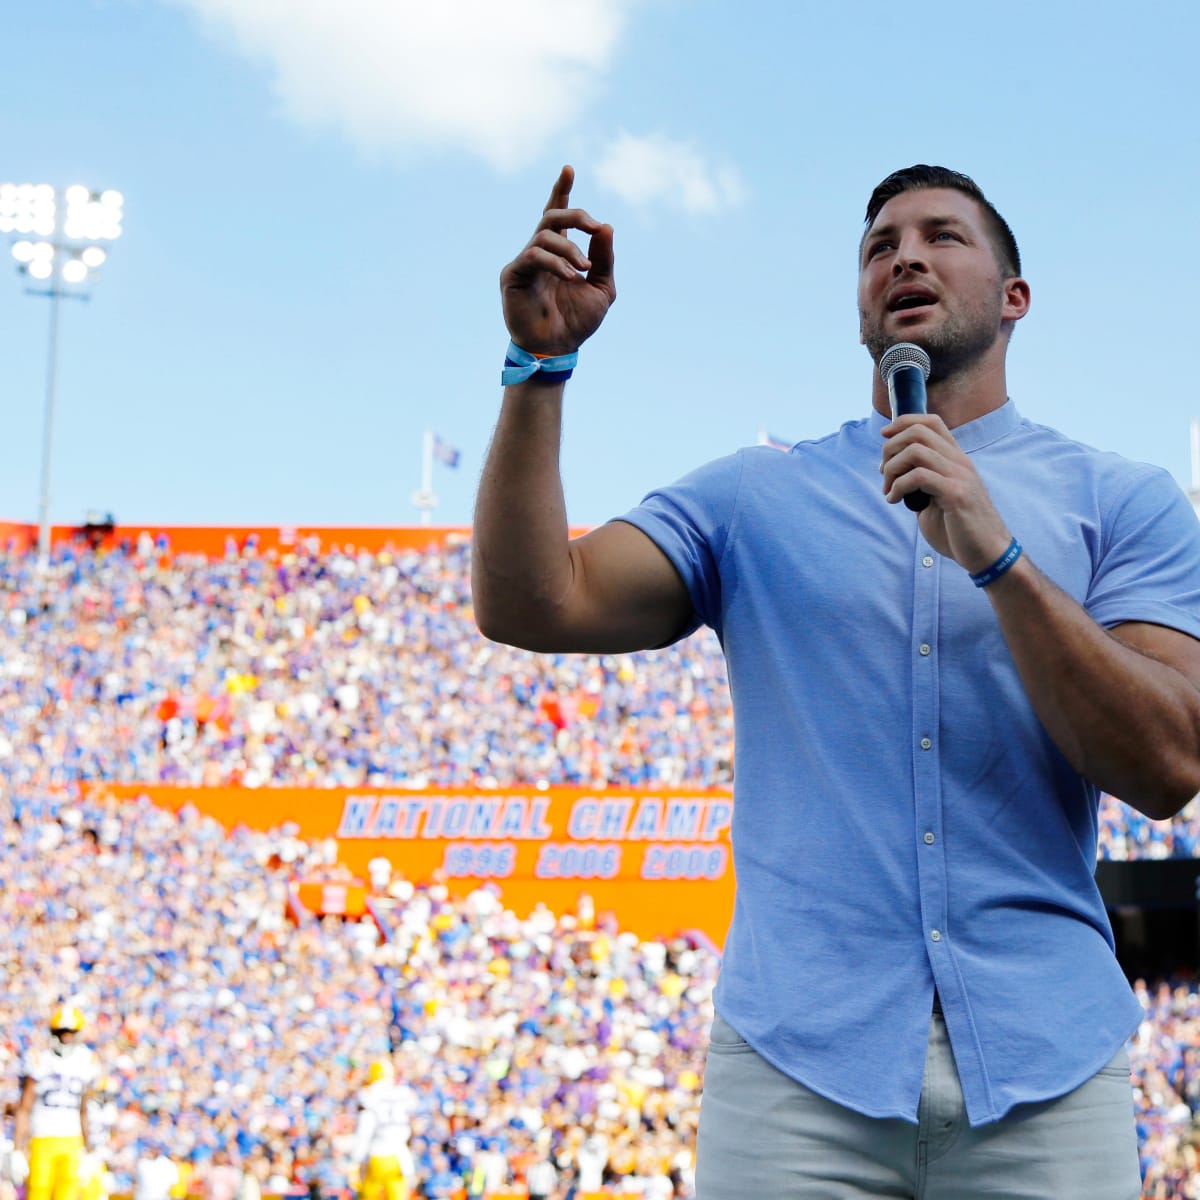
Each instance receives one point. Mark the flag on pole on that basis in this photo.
(445, 453)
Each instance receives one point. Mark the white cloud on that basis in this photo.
(497, 78)
(657, 170)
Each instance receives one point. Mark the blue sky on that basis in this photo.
(319, 197)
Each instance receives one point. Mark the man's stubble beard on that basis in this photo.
(959, 341)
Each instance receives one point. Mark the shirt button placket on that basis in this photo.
(931, 866)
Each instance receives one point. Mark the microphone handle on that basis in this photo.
(906, 391)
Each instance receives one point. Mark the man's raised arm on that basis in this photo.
(532, 585)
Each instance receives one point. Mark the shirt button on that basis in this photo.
(924, 648)
(936, 935)
(929, 839)
(926, 744)
(927, 561)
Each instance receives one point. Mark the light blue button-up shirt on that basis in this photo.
(901, 817)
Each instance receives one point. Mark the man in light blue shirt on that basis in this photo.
(919, 995)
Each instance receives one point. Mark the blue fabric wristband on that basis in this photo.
(1002, 564)
(520, 365)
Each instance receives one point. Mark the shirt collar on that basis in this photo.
(974, 435)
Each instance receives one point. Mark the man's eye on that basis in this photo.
(944, 233)
(877, 247)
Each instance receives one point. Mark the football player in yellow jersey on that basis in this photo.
(381, 1156)
(51, 1119)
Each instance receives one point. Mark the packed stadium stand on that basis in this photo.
(236, 1032)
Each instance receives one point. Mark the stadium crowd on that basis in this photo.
(230, 1035)
(234, 1041)
(326, 670)
(334, 668)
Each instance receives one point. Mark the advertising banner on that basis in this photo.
(659, 861)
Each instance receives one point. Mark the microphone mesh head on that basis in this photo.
(903, 354)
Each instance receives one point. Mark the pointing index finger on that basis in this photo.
(560, 194)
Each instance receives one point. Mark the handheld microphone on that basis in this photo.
(904, 367)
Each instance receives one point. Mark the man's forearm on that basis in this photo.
(520, 561)
(21, 1132)
(1126, 722)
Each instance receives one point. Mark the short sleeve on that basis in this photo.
(689, 521)
(1149, 567)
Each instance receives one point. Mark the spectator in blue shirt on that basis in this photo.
(919, 993)
(441, 1182)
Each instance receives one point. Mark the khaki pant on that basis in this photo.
(762, 1134)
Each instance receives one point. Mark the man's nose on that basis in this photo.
(909, 257)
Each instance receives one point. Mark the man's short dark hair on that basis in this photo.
(914, 178)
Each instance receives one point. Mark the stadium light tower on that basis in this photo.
(58, 241)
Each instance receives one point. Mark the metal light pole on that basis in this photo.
(48, 434)
(58, 240)
(424, 498)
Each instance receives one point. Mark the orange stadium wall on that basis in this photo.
(213, 541)
(660, 862)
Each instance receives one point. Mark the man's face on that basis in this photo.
(61, 1040)
(928, 274)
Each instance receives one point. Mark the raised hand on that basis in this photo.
(554, 295)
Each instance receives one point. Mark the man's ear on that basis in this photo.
(1016, 299)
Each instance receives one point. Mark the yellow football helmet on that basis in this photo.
(66, 1017)
(381, 1069)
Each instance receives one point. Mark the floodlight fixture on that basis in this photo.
(71, 226)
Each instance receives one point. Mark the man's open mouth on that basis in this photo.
(903, 303)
